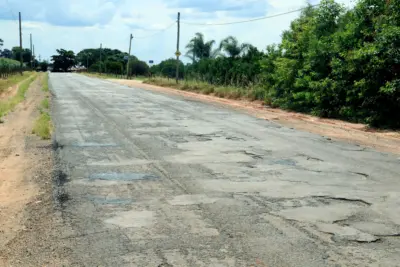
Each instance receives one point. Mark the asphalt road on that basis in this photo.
(148, 179)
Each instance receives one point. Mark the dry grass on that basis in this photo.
(230, 92)
(9, 104)
(111, 76)
(13, 80)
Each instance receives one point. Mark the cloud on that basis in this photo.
(73, 13)
(236, 8)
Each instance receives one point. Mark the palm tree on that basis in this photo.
(232, 48)
(198, 49)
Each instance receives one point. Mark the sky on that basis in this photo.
(80, 24)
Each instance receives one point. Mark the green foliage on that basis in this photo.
(232, 48)
(8, 67)
(44, 65)
(26, 54)
(339, 63)
(198, 49)
(138, 68)
(167, 68)
(63, 61)
(113, 61)
(45, 103)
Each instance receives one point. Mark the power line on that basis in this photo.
(245, 21)
(159, 31)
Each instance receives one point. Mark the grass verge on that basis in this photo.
(45, 103)
(9, 104)
(231, 92)
(43, 126)
(13, 80)
(111, 76)
(45, 82)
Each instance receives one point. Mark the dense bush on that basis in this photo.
(8, 67)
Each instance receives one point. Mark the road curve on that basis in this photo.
(147, 179)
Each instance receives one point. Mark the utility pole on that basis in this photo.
(31, 59)
(177, 48)
(20, 43)
(129, 57)
(101, 45)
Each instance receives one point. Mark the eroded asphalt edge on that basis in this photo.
(184, 184)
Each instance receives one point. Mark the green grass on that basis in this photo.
(9, 104)
(13, 80)
(45, 82)
(231, 92)
(43, 126)
(45, 103)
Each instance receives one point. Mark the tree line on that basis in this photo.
(104, 60)
(332, 62)
(10, 60)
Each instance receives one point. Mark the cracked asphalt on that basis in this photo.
(149, 179)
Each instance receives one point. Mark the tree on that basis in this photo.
(44, 65)
(138, 68)
(232, 48)
(197, 48)
(26, 54)
(63, 61)
(167, 68)
(6, 53)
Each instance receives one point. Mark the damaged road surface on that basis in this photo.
(148, 179)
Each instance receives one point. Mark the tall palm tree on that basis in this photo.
(198, 49)
(232, 48)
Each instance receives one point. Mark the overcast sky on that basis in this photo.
(79, 24)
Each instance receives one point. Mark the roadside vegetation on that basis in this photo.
(45, 82)
(332, 62)
(112, 76)
(198, 86)
(8, 67)
(43, 125)
(93, 61)
(6, 105)
(13, 79)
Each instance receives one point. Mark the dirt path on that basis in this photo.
(386, 141)
(19, 163)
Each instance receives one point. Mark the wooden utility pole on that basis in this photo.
(129, 57)
(20, 43)
(177, 48)
(31, 59)
(101, 45)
